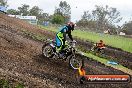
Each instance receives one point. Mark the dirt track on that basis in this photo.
(17, 25)
(20, 59)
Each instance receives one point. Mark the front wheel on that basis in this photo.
(75, 62)
(47, 51)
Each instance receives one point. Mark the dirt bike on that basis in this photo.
(98, 50)
(69, 53)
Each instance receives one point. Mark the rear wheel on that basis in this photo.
(47, 51)
(102, 52)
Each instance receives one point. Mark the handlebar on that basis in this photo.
(72, 43)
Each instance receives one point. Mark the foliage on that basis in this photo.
(13, 11)
(19, 86)
(87, 21)
(35, 11)
(102, 18)
(86, 16)
(64, 9)
(43, 17)
(3, 3)
(57, 19)
(24, 10)
(127, 28)
(7, 84)
(106, 16)
(4, 84)
(84, 23)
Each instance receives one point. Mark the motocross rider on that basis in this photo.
(61, 36)
(99, 45)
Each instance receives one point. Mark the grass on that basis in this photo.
(111, 40)
(5, 84)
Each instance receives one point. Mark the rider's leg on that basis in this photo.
(59, 44)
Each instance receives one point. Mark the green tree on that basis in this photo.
(127, 27)
(106, 17)
(24, 10)
(102, 18)
(57, 19)
(13, 12)
(43, 17)
(64, 10)
(35, 11)
(86, 21)
(3, 3)
(86, 16)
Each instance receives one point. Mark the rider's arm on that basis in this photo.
(64, 35)
(70, 36)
